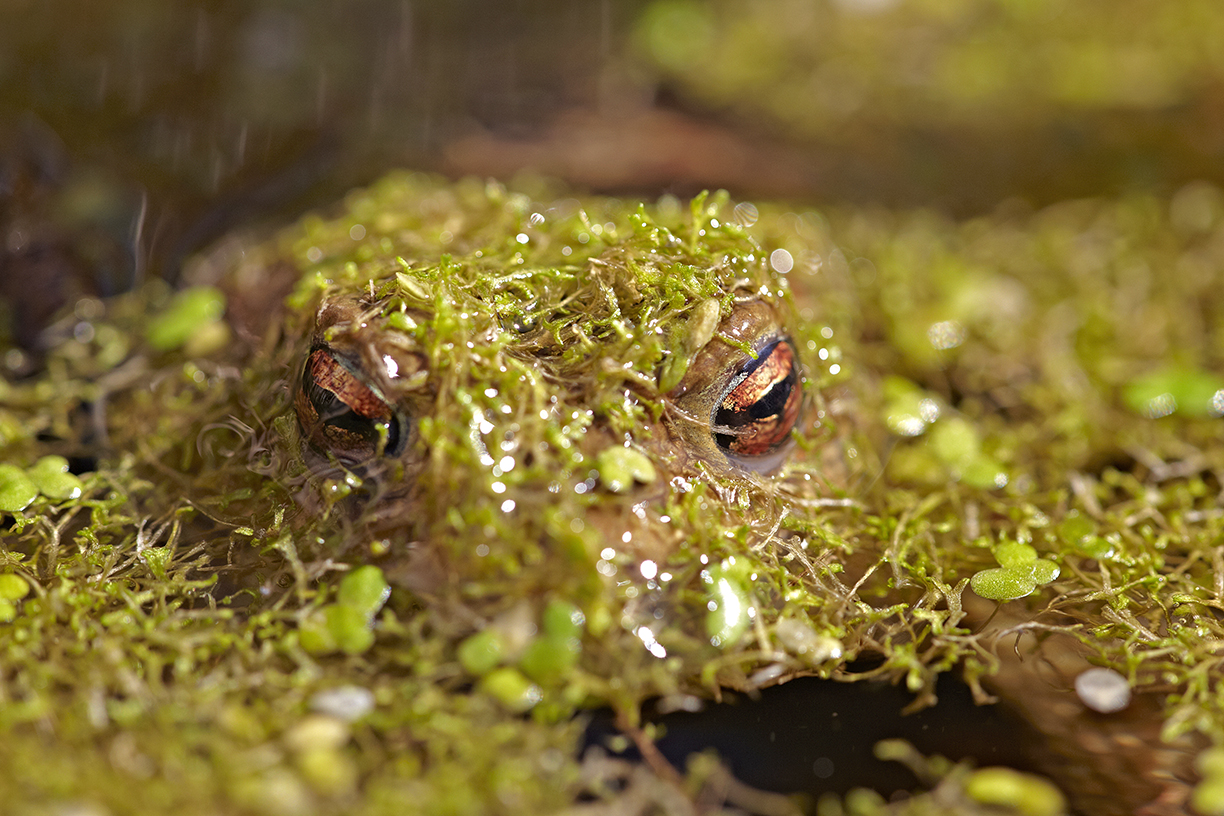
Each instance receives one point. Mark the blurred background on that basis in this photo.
(134, 133)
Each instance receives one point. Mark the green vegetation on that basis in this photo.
(957, 103)
(183, 615)
(815, 67)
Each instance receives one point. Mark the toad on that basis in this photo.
(512, 406)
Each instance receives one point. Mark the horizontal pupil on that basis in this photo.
(353, 423)
(326, 403)
(773, 402)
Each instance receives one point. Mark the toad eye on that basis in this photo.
(339, 412)
(761, 406)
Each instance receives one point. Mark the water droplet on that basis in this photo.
(746, 213)
(346, 703)
(781, 261)
(946, 334)
(1160, 406)
(652, 645)
(1103, 690)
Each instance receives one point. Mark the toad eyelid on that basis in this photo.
(751, 365)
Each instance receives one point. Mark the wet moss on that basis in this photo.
(546, 543)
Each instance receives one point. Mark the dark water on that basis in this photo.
(816, 736)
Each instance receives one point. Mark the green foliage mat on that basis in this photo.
(1010, 443)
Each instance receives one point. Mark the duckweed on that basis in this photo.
(17, 489)
(1020, 572)
(1196, 393)
(13, 587)
(1208, 795)
(620, 468)
(347, 624)
(548, 660)
(482, 652)
(1018, 792)
(364, 590)
(192, 315)
(510, 688)
(50, 475)
(730, 605)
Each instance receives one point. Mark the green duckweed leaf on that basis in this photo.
(349, 628)
(1019, 792)
(364, 590)
(510, 688)
(1208, 797)
(13, 587)
(50, 475)
(1043, 570)
(1002, 584)
(549, 659)
(1020, 572)
(1015, 554)
(482, 652)
(1187, 391)
(619, 468)
(188, 314)
(956, 442)
(563, 620)
(727, 619)
(17, 490)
